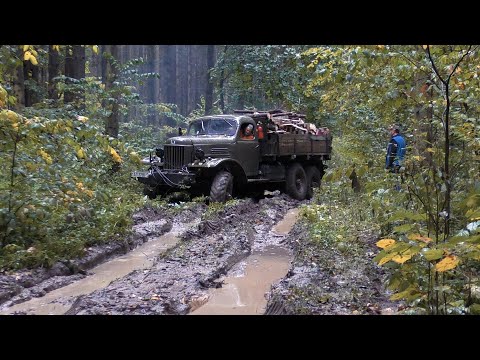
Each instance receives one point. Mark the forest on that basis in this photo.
(76, 120)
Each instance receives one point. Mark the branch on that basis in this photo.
(458, 63)
(433, 65)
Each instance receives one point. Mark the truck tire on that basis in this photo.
(296, 182)
(222, 187)
(314, 180)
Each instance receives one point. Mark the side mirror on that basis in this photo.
(180, 132)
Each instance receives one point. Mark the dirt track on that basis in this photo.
(187, 256)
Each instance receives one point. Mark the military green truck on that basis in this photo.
(215, 156)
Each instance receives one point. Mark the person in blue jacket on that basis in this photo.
(395, 150)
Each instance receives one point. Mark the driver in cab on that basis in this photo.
(247, 133)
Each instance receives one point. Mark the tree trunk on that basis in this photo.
(168, 73)
(191, 79)
(111, 73)
(19, 84)
(182, 79)
(69, 73)
(200, 68)
(53, 72)
(222, 80)
(209, 89)
(30, 73)
(74, 69)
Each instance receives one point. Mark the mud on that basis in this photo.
(25, 285)
(180, 279)
(324, 280)
(209, 262)
(246, 285)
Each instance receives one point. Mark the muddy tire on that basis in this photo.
(296, 182)
(314, 180)
(152, 194)
(222, 187)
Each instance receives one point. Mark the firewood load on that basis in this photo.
(279, 121)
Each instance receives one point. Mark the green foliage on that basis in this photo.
(426, 204)
(66, 185)
(261, 77)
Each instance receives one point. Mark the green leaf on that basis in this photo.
(474, 309)
(404, 215)
(433, 254)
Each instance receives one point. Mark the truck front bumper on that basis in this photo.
(158, 177)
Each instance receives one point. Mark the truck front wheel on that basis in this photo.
(296, 182)
(151, 193)
(222, 187)
(314, 179)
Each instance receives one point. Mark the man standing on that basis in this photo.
(395, 150)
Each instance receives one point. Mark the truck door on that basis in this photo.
(248, 150)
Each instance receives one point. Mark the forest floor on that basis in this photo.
(248, 257)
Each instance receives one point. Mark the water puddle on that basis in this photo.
(140, 258)
(245, 286)
(284, 226)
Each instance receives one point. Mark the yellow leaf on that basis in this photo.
(47, 158)
(95, 49)
(400, 259)
(56, 47)
(424, 47)
(3, 97)
(385, 243)
(418, 158)
(419, 237)
(27, 55)
(33, 60)
(81, 153)
(25, 48)
(135, 157)
(430, 150)
(115, 155)
(448, 263)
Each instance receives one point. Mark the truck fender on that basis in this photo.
(231, 165)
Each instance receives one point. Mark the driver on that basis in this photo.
(248, 133)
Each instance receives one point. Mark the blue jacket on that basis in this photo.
(395, 151)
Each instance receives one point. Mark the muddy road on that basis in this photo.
(249, 257)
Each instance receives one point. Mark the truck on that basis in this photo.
(215, 158)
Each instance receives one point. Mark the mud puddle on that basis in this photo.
(58, 301)
(244, 288)
(243, 291)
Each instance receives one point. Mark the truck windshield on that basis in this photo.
(213, 127)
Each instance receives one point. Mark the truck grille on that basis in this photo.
(177, 156)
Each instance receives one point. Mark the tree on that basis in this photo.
(209, 89)
(111, 73)
(74, 71)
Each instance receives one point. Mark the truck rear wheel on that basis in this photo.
(296, 182)
(222, 187)
(314, 179)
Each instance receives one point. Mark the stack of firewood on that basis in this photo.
(280, 121)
